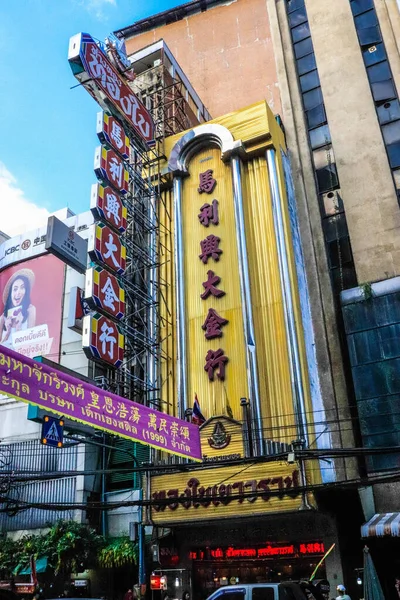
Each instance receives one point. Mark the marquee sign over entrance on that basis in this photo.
(217, 493)
(30, 381)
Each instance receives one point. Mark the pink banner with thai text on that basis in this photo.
(55, 391)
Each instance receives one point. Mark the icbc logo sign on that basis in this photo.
(26, 244)
(11, 250)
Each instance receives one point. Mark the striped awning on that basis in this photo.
(382, 525)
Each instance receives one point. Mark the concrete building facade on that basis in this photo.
(331, 72)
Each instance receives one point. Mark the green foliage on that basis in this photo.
(70, 547)
(118, 552)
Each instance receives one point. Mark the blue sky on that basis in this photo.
(47, 130)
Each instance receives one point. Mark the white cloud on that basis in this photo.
(17, 213)
(96, 7)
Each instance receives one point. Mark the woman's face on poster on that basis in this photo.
(18, 292)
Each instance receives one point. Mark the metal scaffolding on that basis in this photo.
(139, 378)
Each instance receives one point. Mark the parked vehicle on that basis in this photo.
(286, 590)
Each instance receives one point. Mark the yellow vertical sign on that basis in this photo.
(215, 275)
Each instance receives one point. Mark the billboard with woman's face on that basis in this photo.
(31, 301)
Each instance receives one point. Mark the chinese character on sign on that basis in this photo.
(209, 214)
(215, 359)
(210, 286)
(109, 294)
(116, 134)
(111, 248)
(209, 248)
(152, 421)
(112, 207)
(107, 338)
(212, 325)
(116, 171)
(207, 182)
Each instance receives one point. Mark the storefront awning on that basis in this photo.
(41, 566)
(382, 525)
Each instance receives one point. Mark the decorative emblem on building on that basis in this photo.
(219, 438)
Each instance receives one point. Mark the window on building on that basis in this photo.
(309, 81)
(369, 35)
(294, 5)
(316, 116)
(380, 78)
(312, 99)
(303, 48)
(391, 136)
(297, 17)
(379, 72)
(359, 6)
(301, 32)
(383, 90)
(335, 227)
(389, 111)
(325, 169)
(366, 20)
(374, 54)
(306, 64)
(318, 129)
(320, 136)
(331, 203)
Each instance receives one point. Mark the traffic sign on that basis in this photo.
(52, 432)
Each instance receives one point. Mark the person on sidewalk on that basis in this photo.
(342, 593)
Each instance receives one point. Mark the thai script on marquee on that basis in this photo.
(31, 381)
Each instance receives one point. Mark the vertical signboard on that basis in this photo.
(110, 167)
(214, 320)
(106, 248)
(106, 205)
(103, 340)
(104, 292)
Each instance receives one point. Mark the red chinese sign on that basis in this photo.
(92, 68)
(102, 340)
(110, 167)
(107, 205)
(106, 248)
(111, 132)
(215, 360)
(104, 292)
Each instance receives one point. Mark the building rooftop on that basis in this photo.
(168, 16)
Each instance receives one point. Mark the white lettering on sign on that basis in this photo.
(110, 82)
(107, 338)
